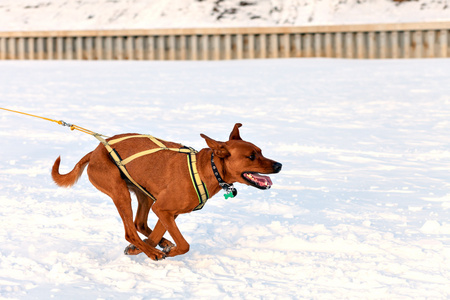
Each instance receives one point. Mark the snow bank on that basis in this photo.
(142, 14)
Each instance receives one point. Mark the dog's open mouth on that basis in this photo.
(258, 180)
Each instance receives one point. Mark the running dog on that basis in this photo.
(164, 182)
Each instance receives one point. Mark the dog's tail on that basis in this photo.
(69, 179)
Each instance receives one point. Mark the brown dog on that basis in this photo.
(165, 174)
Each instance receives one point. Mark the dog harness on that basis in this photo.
(199, 186)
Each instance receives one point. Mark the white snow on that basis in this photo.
(17, 15)
(360, 210)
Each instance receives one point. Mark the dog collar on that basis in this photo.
(229, 189)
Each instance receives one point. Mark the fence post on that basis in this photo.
(371, 46)
(98, 47)
(183, 55)
(40, 48)
(49, 48)
(360, 45)
(250, 45)
(162, 47)
(205, 44)
(406, 44)
(118, 48)
(69, 48)
(382, 44)
(21, 48)
(285, 45)
(349, 45)
(59, 48)
(216, 47)
(239, 47)
(273, 46)
(150, 53)
(194, 44)
(317, 45)
(338, 44)
(12, 48)
(263, 45)
(443, 40)
(79, 48)
(417, 44)
(394, 44)
(109, 47)
(2, 48)
(429, 44)
(128, 40)
(172, 47)
(30, 46)
(307, 42)
(227, 46)
(89, 48)
(328, 44)
(139, 48)
(295, 46)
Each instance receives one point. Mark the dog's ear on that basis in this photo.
(219, 148)
(234, 135)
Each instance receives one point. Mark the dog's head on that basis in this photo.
(242, 161)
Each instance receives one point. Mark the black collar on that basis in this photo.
(231, 192)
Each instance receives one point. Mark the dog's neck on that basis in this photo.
(206, 172)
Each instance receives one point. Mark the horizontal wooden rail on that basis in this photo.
(405, 40)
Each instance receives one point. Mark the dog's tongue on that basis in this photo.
(262, 180)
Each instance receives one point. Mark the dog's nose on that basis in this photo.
(277, 167)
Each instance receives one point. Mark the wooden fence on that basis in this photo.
(408, 40)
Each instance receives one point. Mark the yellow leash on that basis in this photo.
(61, 122)
(199, 186)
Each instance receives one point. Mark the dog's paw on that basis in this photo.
(131, 250)
(166, 245)
(152, 254)
(160, 258)
(167, 248)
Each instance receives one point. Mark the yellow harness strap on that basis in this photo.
(115, 156)
(199, 186)
(146, 152)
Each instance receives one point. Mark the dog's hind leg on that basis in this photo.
(144, 206)
(105, 176)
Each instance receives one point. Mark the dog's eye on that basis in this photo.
(252, 157)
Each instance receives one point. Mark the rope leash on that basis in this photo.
(60, 122)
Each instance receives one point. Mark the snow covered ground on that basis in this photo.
(143, 14)
(361, 209)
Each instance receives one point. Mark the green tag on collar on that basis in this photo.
(229, 195)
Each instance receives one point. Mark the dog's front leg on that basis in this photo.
(123, 204)
(144, 205)
(156, 235)
(167, 219)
